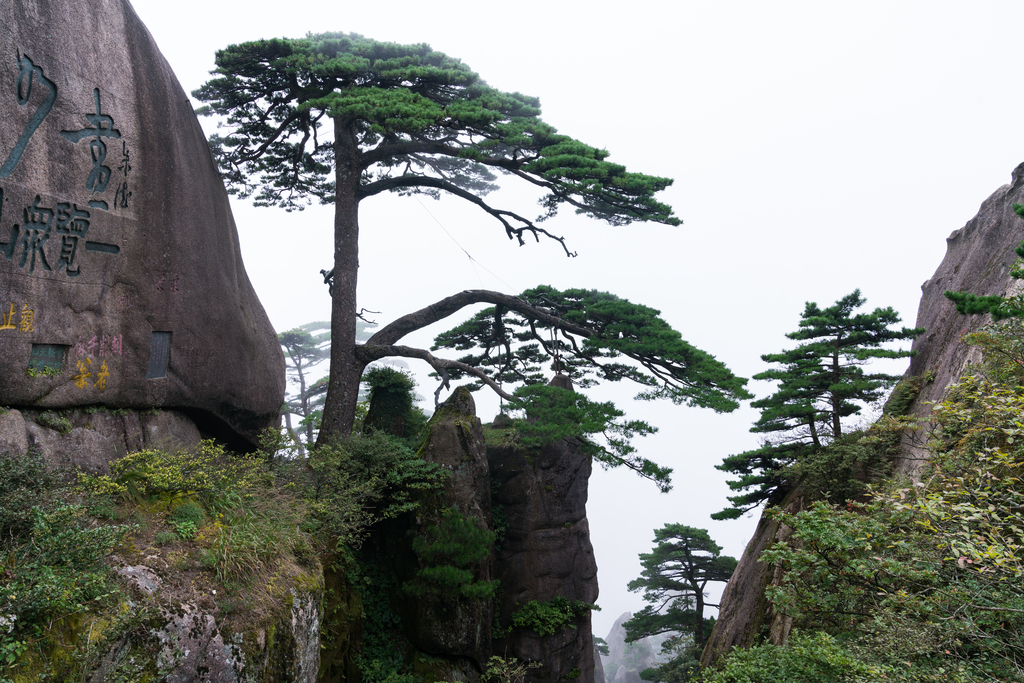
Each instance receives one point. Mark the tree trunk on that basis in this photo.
(346, 368)
(837, 401)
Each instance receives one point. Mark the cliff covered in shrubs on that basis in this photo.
(401, 555)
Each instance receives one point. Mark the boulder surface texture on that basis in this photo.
(546, 553)
(121, 279)
(978, 259)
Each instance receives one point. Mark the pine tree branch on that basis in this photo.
(391, 333)
(503, 215)
(370, 352)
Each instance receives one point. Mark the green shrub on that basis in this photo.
(508, 670)
(547, 618)
(809, 658)
(53, 420)
(842, 470)
(24, 483)
(924, 580)
(58, 569)
(206, 471)
(363, 479)
(166, 538)
(450, 552)
(186, 519)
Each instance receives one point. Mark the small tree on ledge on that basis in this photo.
(821, 381)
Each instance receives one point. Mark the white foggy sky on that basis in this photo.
(816, 147)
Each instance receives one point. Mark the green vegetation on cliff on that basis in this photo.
(1001, 307)
(922, 581)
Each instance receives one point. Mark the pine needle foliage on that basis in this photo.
(339, 118)
(673, 581)
(820, 382)
(921, 581)
(1000, 307)
(610, 340)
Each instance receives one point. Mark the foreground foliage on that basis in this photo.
(51, 556)
(923, 582)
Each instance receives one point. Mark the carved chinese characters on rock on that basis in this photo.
(28, 73)
(53, 232)
(92, 357)
(26, 323)
(101, 127)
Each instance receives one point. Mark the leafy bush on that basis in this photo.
(363, 479)
(205, 470)
(450, 552)
(547, 618)
(508, 670)
(391, 407)
(924, 581)
(24, 483)
(57, 570)
(186, 519)
(809, 658)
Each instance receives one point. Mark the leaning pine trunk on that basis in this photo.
(346, 369)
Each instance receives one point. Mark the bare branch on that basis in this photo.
(364, 318)
(505, 217)
(370, 352)
(391, 333)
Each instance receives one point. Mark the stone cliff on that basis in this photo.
(534, 504)
(546, 553)
(978, 259)
(121, 279)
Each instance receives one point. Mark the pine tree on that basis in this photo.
(675, 575)
(820, 382)
(586, 337)
(340, 118)
(304, 350)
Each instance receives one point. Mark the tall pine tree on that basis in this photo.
(821, 381)
(341, 118)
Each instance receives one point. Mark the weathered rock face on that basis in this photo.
(546, 552)
(745, 616)
(978, 260)
(177, 625)
(189, 643)
(93, 438)
(121, 281)
(457, 629)
(598, 667)
(625, 661)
